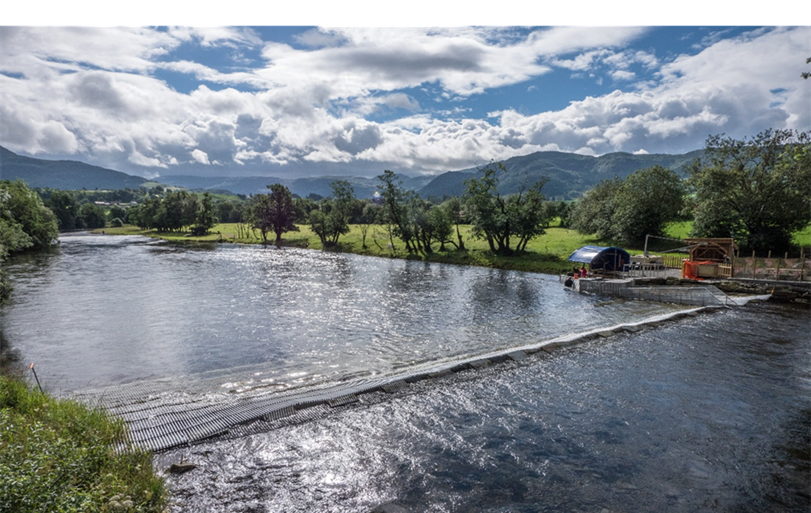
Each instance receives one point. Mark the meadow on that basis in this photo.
(547, 253)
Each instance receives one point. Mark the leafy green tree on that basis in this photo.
(274, 212)
(454, 212)
(647, 200)
(499, 219)
(116, 212)
(25, 223)
(564, 212)
(420, 223)
(368, 217)
(65, 207)
(205, 219)
(757, 191)
(594, 212)
(440, 225)
(145, 215)
(628, 210)
(22, 206)
(91, 216)
(177, 210)
(332, 220)
(395, 201)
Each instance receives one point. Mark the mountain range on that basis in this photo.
(569, 175)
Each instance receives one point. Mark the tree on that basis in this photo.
(368, 216)
(205, 219)
(177, 210)
(144, 216)
(499, 219)
(454, 212)
(594, 212)
(65, 207)
(23, 211)
(25, 223)
(91, 216)
(628, 210)
(332, 219)
(757, 191)
(440, 224)
(273, 212)
(564, 211)
(116, 212)
(395, 210)
(647, 200)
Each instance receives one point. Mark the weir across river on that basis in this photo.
(165, 414)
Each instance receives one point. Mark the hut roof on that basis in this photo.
(599, 257)
(713, 249)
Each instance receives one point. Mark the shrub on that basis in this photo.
(60, 455)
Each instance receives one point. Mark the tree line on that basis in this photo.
(507, 223)
(25, 224)
(756, 191)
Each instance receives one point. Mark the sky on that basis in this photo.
(309, 99)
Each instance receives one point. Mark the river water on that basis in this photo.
(704, 413)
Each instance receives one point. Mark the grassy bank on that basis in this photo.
(59, 455)
(546, 254)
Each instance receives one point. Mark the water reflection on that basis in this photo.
(128, 309)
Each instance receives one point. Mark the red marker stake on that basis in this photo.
(35, 376)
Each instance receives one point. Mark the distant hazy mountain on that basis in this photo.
(364, 187)
(570, 175)
(63, 174)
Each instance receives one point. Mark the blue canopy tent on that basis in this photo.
(600, 258)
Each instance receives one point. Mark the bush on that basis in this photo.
(59, 455)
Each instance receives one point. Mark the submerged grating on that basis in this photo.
(160, 416)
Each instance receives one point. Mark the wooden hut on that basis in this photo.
(711, 249)
(709, 258)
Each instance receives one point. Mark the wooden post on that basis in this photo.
(777, 269)
(802, 262)
(754, 265)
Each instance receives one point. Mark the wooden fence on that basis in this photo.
(775, 268)
(673, 261)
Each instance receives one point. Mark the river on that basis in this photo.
(704, 413)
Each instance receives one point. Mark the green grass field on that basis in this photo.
(546, 254)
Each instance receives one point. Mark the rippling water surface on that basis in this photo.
(711, 413)
(707, 414)
(106, 310)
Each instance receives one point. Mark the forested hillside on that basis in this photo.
(63, 174)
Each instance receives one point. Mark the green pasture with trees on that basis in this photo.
(758, 191)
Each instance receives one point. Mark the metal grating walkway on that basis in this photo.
(161, 416)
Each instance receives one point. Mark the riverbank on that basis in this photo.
(545, 254)
(61, 455)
